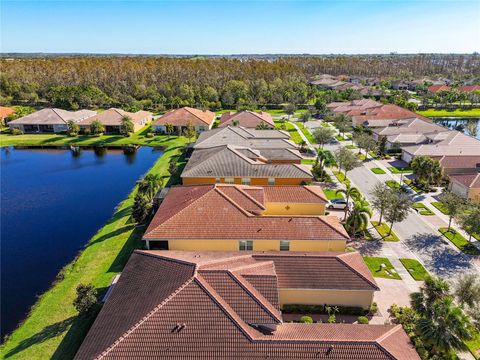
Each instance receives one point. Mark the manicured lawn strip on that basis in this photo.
(361, 157)
(308, 161)
(305, 132)
(459, 241)
(341, 177)
(375, 266)
(331, 194)
(440, 207)
(474, 344)
(377, 170)
(476, 236)
(340, 138)
(373, 155)
(52, 330)
(393, 184)
(351, 147)
(446, 113)
(324, 124)
(413, 186)
(383, 230)
(294, 135)
(138, 138)
(424, 209)
(399, 170)
(415, 269)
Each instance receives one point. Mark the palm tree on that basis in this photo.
(350, 192)
(149, 185)
(324, 158)
(359, 217)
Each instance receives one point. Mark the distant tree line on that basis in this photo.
(156, 83)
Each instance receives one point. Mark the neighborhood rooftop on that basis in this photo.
(224, 305)
(247, 118)
(51, 116)
(182, 116)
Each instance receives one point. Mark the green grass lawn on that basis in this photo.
(305, 132)
(324, 124)
(415, 188)
(351, 147)
(393, 184)
(377, 170)
(341, 177)
(415, 269)
(294, 135)
(447, 113)
(440, 207)
(52, 329)
(474, 345)
(373, 154)
(308, 161)
(375, 266)
(459, 241)
(361, 157)
(422, 209)
(340, 138)
(383, 230)
(331, 194)
(138, 138)
(399, 170)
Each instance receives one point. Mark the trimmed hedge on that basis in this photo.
(320, 309)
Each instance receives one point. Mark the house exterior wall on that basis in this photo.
(238, 181)
(359, 298)
(162, 128)
(459, 189)
(258, 245)
(474, 195)
(294, 209)
(407, 157)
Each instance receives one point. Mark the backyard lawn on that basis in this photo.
(386, 271)
(383, 230)
(448, 113)
(459, 241)
(53, 329)
(377, 170)
(415, 269)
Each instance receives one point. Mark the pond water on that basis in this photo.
(52, 202)
(458, 123)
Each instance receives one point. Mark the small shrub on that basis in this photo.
(16, 132)
(373, 308)
(72, 134)
(306, 320)
(86, 298)
(150, 135)
(332, 319)
(362, 320)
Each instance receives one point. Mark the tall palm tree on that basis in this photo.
(350, 192)
(359, 217)
(149, 185)
(324, 158)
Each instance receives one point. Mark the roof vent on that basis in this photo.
(259, 230)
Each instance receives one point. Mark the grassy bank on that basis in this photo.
(447, 113)
(53, 329)
(138, 138)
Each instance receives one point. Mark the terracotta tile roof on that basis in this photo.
(469, 88)
(113, 117)
(438, 88)
(374, 116)
(53, 117)
(456, 162)
(182, 116)
(295, 194)
(208, 212)
(199, 317)
(240, 136)
(5, 112)
(247, 118)
(353, 105)
(232, 161)
(471, 181)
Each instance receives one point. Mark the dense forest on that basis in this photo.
(156, 83)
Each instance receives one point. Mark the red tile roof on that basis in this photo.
(456, 162)
(383, 112)
(469, 88)
(468, 180)
(5, 112)
(438, 88)
(247, 118)
(192, 314)
(208, 211)
(182, 116)
(113, 117)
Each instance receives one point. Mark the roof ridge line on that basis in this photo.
(330, 225)
(188, 109)
(219, 261)
(251, 197)
(229, 199)
(159, 256)
(145, 318)
(307, 187)
(340, 258)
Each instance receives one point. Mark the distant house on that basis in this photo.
(466, 185)
(112, 120)
(241, 218)
(241, 165)
(469, 88)
(5, 113)
(247, 119)
(347, 106)
(179, 119)
(49, 120)
(465, 88)
(226, 305)
(438, 88)
(380, 116)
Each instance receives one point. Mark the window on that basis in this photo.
(229, 180)
(284, 245)
(271, 181)
(245, 181)
(245, 245)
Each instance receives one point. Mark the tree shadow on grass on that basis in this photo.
(133, 242)
(45, 334)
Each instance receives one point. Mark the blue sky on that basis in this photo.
(233, 27)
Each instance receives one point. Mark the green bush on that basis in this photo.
(362, 320)
(86, 298)
(16, 132)
(150, 135)
(306, 320)
(373, 308)
(320, 309)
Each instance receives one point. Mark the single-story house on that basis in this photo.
(464, 88)
(179, 119)
(49, 120)
(5, 113)
(459, 164)
(380, 116)
(112, 120)
(240, 165)
(466, 186)
(347, 106)
(212, 305)
(247, 119)
(238, 218)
